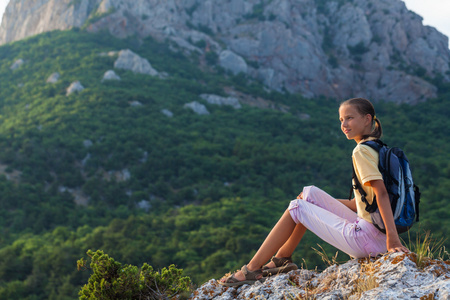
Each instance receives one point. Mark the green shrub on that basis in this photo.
(111, 280)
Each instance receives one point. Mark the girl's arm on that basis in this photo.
(393, 243)
(349, 203)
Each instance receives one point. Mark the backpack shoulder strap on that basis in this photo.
(376, 145)
(357, 186)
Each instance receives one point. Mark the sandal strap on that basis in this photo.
(281, 261)
(250, 275)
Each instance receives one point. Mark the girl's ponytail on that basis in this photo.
(377, 131)
(365, 107)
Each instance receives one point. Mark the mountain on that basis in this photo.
(335, 48)
(157, 154)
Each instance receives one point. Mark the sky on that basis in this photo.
(435, 13)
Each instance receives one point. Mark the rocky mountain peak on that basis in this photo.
(335, 48)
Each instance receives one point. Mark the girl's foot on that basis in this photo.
(279, 265)
(244, 276)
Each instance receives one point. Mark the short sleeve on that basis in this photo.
(365, 162)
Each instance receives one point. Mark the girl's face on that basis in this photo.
(353, 124)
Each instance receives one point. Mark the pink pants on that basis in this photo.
(337, 224)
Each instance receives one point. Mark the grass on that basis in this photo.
(427, 248)
(324, 256)
(367, 279)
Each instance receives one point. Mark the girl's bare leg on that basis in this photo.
(278, 236)
(288, 248)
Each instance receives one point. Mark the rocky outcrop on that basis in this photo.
(110, 75)
(218, 100)
(129, 60)
(336, 48)
(74, 87)
(167, 112)
(232, 62)
(393, 276)
(197, 107)
(17, 64)
(53, 78)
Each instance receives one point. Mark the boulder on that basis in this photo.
(232, 62)
(74, 87)
(135, 103)
(167, 112)
(110, 75)
(17, 64)
(129, 60)
(197, 107)
(53, 78)
(218, 100)
(87, 143)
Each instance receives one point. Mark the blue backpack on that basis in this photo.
(404, 195)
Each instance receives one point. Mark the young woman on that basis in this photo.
(342, 223)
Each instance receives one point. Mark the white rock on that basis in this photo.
(74, 87)
(87, 143)
(144, 205)
(198, 108)
(17, 64)
(129, 60)
(396, 275)
(218, 100)
(232, 62)
(135, 103)
(110, 75)
(167, 112)
(53, 78)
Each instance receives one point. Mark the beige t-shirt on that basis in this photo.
(365, 162)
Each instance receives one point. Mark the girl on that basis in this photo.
(343, 223)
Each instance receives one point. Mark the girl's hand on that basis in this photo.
(394, 245)
(300, 196)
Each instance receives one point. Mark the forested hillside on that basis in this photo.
(105, 168)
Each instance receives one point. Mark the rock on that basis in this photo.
(198, 108)
(53, 78)
(86, 159)
(135, 103)
(144, 205)
(392, 276)
(118, 176)
(110, 75)
(87, 143)
(167, 112)
(129, 60)
(232, 62)
(123, 175)
(17, 64)
(79, 197)
(218, 100)
(74, 87)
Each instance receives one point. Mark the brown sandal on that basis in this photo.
(282, 265)
(250, 278)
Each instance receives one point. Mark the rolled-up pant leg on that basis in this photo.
(337, 224)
